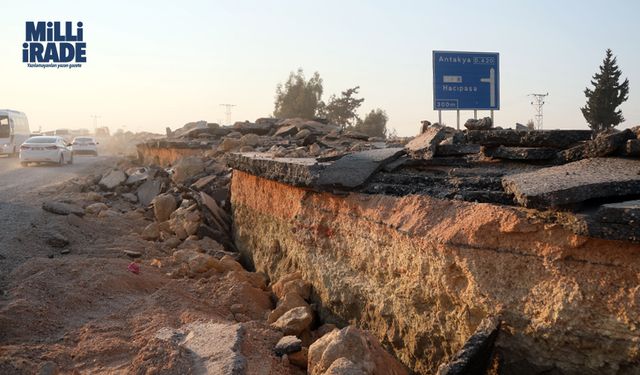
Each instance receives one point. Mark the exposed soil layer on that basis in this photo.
(422, 273)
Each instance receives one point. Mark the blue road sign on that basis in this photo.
(466, 80)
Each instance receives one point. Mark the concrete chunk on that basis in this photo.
(110, 180)
(521, 153)
(632, 147)
(602, 145)
(528, 138)
(624, 213)
(302, 172)
(62, 208)
(348, 172)
(148, 190)
(457, 149)
(424, 146)
(355, 169)
(575, 182)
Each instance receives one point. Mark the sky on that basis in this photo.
(153, 64)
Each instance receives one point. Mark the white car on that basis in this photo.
(45, 149)
(84, 145)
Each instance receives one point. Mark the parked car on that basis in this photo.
(45, 149)
(84, 145)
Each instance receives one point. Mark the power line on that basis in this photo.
(538, 102)
(227, 112)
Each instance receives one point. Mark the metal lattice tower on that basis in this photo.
(227, 112)
(95, 122)
(538, 102)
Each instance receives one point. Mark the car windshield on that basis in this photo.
(41, 140)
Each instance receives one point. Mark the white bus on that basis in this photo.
(14, 130)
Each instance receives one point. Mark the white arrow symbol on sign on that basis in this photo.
(492, 86)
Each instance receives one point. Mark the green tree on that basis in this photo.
(374, 123)
(299, 97)
(341, 110)
(607, 94)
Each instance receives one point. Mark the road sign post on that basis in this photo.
(466, 81)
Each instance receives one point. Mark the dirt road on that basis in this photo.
(22, 190)
(75, 308)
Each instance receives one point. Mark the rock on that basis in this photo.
(203, 182)
(132, 253)
(456, 149)
(299, 358)
(229, 144)
(302, 134)
(75, 220)
(355, 135)
(108, 213)
(173, 242)
(354, 170)
(200, 263)
(359, 348)
(520, 153)
(216, 346)
(163, 206)
(148, 191)
(483, 124)
(196, 262)
(227, 264)
(604, 144)
(287, 130)
(151, 232)
(292, 283)
(93, 196)
(343, 366)
(95, 208)
(477, 352)
(236, 308)
(424, 145)
(294, 321)
(288, 344)
(57, 240)
(559, 139)
(314, 149)
(112, 179)
(186, 168)
(424, 126)
(61, 208)
(289, 301)
(246, 149)
(348, 343)
(575, 182)
(250, 140)
(130, 197)
(247, 127)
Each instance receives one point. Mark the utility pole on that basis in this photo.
(95, 123)
(227, 112)
(538, 102)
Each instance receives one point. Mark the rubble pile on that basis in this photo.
(323, 349)
(292, 138)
